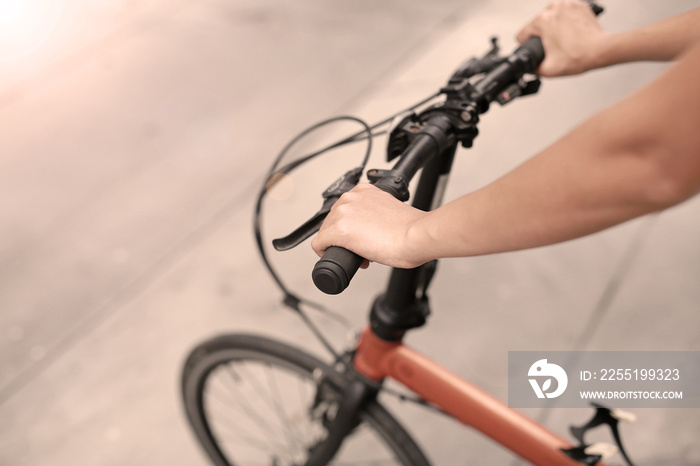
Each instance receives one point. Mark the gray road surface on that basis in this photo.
(134, 137)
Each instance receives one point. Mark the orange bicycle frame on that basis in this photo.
(377, 359)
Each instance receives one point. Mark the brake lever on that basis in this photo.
(340, 186)
(475, 66)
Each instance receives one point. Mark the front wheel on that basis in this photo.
(255, 401)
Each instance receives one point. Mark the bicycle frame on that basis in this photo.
(377, 359)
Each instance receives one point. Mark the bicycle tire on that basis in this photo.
(238, 358)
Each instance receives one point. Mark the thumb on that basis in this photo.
(529, 30)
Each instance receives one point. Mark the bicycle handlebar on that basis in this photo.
(334, 271)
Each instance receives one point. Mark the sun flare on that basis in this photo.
(25, 25)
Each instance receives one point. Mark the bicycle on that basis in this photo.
(301, 410)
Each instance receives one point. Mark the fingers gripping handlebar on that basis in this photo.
(333, 272)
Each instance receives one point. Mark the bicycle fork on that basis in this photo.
(352, 398)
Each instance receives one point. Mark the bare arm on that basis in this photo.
(639, 156)
(575, 42)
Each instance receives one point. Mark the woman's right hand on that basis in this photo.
(571, 36)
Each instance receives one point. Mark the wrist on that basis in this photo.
(419, 245)
(601, 52)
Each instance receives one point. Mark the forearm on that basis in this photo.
(562, 193)
(661, 41)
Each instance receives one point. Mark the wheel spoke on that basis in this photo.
(235, 403)
(279, 409)
(251, 378)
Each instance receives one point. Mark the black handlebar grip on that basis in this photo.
(333, 272)
(536, 52)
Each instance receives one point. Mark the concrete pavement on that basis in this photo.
(129, 161)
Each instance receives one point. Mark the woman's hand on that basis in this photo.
(374, 225)
(571, 36)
